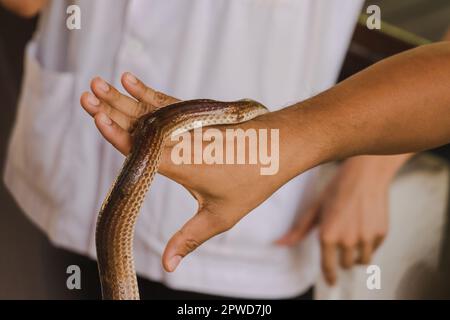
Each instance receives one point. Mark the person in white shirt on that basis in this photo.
(59, 168)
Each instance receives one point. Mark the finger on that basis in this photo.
(113, 133)
(106, 92)
(328, 250)
(366, 250)
(301, 228)
(145, 94)
(197, 230)
(90, 103)
(347, 256)
(93, 105)
(378, 242)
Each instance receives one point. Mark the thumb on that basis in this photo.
(197, 230)
(302, 226)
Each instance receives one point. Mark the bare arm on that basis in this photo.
(24, 8)
(401, 104)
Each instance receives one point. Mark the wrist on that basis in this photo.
(306, 139)
(380, 170)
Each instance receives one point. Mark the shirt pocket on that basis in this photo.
(40, 144)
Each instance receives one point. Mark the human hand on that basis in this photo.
(351, 214)
(217, 188)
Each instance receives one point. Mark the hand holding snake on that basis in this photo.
(221, 205)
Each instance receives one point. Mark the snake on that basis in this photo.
(118, 214)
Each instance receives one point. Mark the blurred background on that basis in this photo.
(408, 23)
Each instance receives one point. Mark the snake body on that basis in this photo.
(118, 214)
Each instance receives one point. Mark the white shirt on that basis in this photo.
(59, 168)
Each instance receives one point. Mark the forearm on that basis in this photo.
(24, 8)
(401, 104)
(379, 170)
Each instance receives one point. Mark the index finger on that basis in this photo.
(145, 94)
(328, 250)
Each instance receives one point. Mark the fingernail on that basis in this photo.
(130, 78)
(92, 100)
(105, 119)
(174, 262)
(102, 85)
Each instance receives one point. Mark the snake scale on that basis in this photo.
(119, 211)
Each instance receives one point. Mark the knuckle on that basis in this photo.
(141, 109)
(108, 110)
(367, 239)
(159, 98)
(191, 244)
(326, 237)
(115, 95)
(348, 242)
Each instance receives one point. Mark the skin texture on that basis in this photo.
(398, 105)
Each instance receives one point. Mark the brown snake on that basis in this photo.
(118, 214)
